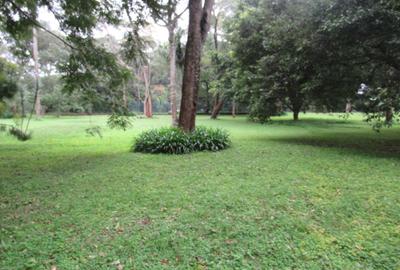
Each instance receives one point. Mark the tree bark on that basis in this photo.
(233, 109)
(147, 104)
(199, 25)
(218, 104)
(349, 107)
(389, 115)
(35, 54)
(172, 72)
(296, 114)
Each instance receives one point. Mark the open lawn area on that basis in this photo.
(323, 193)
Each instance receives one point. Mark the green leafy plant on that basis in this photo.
(94, 131)
(175, 141)
(16, 132)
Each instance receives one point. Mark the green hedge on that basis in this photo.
(175, 141)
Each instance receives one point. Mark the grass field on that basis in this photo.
(322, 193)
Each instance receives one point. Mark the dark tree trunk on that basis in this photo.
(296, 102)
(296, 114)
(207, 110)
(199, 24)
(219, 103)
(389, 115)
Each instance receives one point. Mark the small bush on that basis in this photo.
(19, 134)
(175, 141)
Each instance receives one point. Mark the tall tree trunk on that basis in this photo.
(219, 101)
(172, 72)
(199, 24)
(218, 104)
(35, 54)
(233, 109)
(148, 106)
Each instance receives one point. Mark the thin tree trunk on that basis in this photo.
(22, 96)
(35, 54)
(125, 98)
(172, 73)
(199, 24)
(207, 110)
(233, 109)
(148, 107)
(349, 106)
(216, 32)
(219, 102)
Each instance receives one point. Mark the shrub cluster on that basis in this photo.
(175, 141)
(15, 132)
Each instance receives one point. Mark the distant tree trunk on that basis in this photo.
(125, 98)
(389, 115)
(233, 109)
(148, 106)
(22, 96)
(172, 71)
(219, 101)
(296, 101)
(207, 110)
(349, 106)
(218, 104)
(296, 115)
(35, 54)
(199, 24)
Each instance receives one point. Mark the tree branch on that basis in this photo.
(37, 24)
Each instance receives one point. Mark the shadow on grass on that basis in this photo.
(319, 123)
(368, 144)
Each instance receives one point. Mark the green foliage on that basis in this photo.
(16, 132)
(175, 141)
(8, 85)
(20, 134)
(90, 68)
(119, 121)
(94, 131)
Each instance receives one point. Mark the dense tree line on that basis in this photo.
(264, 57)
(305, 54)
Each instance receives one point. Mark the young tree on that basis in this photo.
(35, 56)
(148, 106)
(199, 25)
(170, 21)
(89, 65)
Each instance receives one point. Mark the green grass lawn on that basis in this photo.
(322, 193)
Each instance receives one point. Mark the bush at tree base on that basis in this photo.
(175, 141)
